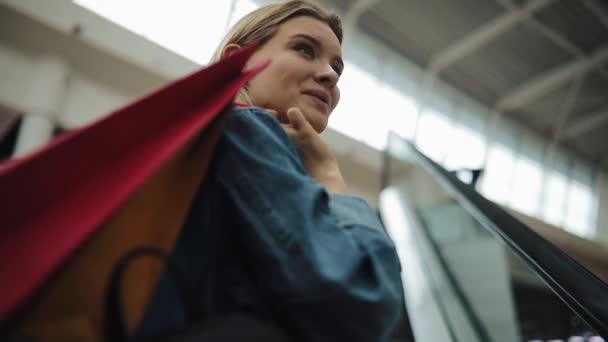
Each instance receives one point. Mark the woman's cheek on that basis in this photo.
(336, 98)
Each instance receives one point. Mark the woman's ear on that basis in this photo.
(230, 49)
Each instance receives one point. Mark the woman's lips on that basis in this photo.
(320, 98)
(320, 104)
(321, 95)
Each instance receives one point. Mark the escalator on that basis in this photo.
(472, 272)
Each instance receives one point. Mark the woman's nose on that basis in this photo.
(327, 76)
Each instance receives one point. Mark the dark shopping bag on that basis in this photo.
(72, 209)
(224, 327)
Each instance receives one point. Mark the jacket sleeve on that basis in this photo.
(323, 261)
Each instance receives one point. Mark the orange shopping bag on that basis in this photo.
(72, 209)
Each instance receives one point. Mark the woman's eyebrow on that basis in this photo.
(318, 44)
(315, 41)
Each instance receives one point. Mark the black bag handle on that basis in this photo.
(114, 324)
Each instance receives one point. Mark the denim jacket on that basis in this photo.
(263, 238)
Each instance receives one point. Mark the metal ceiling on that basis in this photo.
(543, 63)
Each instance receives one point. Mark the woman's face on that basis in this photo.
(304, 71)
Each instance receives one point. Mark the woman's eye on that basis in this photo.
(338, 70)
(306, 49)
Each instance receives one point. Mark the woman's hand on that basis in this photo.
(314, 153)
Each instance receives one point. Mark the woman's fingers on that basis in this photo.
(297, 120)
(315, 154)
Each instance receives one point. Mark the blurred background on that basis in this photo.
(515, 91)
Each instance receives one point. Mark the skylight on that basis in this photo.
(191, 28)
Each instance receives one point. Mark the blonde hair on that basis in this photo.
(260, 25)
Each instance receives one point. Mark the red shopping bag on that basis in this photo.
(73, 208)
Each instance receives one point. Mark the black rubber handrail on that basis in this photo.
(577, 287)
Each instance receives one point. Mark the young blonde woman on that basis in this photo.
(272, 233)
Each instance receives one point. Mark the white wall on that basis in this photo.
(14, 76)
(85, 99)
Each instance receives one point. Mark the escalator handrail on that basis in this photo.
(581, 290)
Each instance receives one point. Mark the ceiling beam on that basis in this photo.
(548, 81)
(476, 39)
(557, 38)
(587, 123)
(554, 36)
(567, 107)
(596, 10)
(562, 116)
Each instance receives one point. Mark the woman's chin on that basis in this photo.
(315, 115)
(318, 121)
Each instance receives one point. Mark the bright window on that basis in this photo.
(554, 198)
(498, 177)
(369, 109)
(401, 111)
(357, 115)
(191, 28)
(466, 150)
(434, 130)
(527, 183)
(579, 210)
